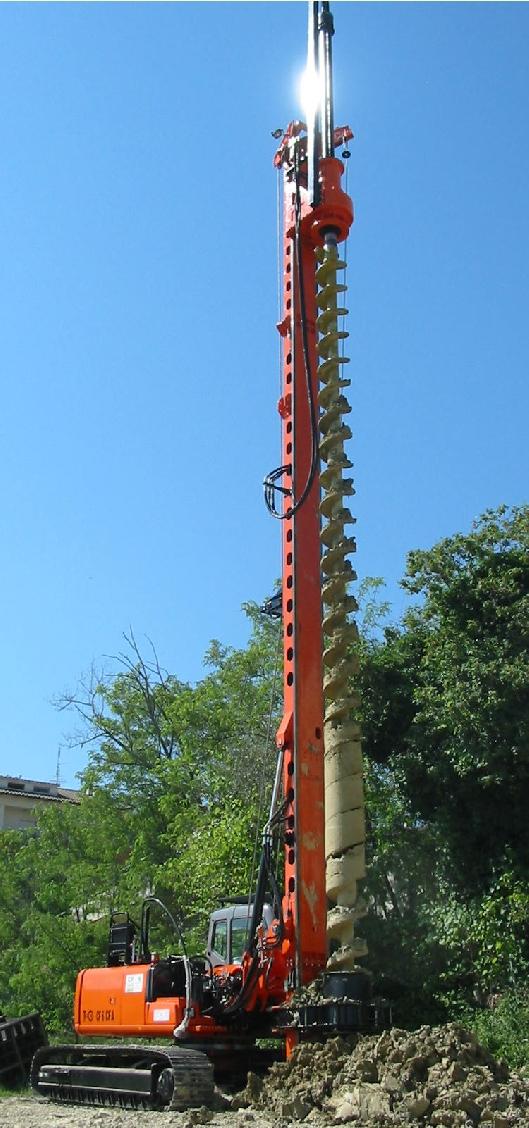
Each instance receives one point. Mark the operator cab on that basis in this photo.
(228, 934)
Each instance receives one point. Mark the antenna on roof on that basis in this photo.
(58, 769)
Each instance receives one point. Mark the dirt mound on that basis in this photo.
(435, 1075)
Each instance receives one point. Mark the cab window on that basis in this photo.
(239, 933)
(219, 941)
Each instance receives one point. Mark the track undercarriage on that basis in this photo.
(156, 1078)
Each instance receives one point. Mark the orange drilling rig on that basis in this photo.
(215, 1008)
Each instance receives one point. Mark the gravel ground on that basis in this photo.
(30, 1112)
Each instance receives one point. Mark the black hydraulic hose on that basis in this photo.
(298, 502)
(266, 874)
(260, 893)
(272, 478)
(145, 912)
(237, 1005)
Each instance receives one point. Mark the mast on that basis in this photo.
(301, 731)
(316, 733)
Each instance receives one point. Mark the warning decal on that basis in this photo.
(134, 984)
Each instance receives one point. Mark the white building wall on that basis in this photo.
(21, 800)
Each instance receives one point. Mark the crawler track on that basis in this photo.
(124, 1076)
(19, 1039)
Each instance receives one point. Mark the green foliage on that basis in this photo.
(8, 1093)
(43, 942)
(445, 708)
(503, 1027)
(218, 860)
(466, 753)
(54, 949)
(486, 938)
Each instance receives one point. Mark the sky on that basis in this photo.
(138, 302)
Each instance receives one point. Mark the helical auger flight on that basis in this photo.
(344, 802)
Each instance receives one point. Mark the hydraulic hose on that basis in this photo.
(180, 1030)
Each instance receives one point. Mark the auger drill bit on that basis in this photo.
(344, 798)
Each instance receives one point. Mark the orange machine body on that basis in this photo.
(117, 1000)
(124, 1000)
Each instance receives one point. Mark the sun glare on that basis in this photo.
(309, 92)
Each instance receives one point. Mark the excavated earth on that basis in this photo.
(433, 1076)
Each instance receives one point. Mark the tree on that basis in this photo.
(178, 775)
(446, 722)
(470, 733)
(48, 873)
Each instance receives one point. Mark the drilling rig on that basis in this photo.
(264, 952)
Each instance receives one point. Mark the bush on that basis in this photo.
(503, 1028)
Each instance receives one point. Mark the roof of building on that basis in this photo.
(38, 790)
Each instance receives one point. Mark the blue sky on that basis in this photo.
(138, 301)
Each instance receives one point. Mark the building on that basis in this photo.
(22, 799)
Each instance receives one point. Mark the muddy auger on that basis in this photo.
(344, 798)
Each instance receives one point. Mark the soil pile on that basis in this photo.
(433, 1076)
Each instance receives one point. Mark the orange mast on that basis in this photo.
(315, 208)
